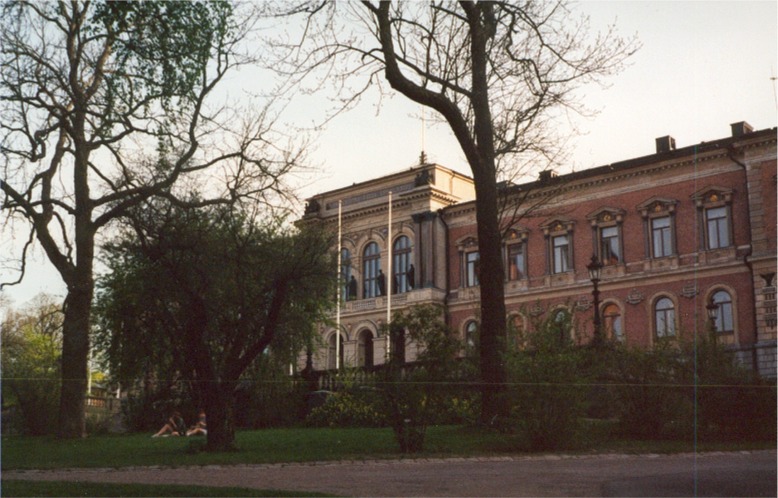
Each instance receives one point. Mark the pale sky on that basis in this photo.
(702, 66)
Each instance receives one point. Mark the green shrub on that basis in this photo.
(98, 423)
(412, 398)
(459, 407)
(548, 382)
(346, 409)
(732, 401)
(548, 398)
(653, 400)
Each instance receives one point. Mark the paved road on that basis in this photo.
(708, 474)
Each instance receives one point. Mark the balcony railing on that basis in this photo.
(416, 296)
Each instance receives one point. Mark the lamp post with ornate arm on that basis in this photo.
(595, 269)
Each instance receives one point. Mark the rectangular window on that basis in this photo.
(516, 262)
(610, 253)
(661, 237)
(471, 269)
(718, 227)
(561, 248)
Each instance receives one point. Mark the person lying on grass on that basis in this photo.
(175, 426)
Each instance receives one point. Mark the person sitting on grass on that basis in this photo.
(175, 426)
(200, 427)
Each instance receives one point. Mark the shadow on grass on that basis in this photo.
(64, 488)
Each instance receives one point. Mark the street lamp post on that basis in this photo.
(595, 269)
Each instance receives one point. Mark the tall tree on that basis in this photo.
(200, 294)
(105, 105)
(495, 73)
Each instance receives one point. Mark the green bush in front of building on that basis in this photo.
(548, 385)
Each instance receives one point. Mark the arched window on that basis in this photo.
(562, 323)
(345, 275)
(331, 352)
(365, 348)
(371, 262)
(471, 338)
(612, 323)
(664, 318)
(724, 319)
(401, 262)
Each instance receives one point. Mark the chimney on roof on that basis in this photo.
(665, 144)
(741, 128)
(546, 176)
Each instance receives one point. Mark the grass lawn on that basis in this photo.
(277, 446)
(305, 445)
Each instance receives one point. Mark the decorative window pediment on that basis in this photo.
(606, 215)
(657, 206)
(467, 242)
(713, 196)
(557, 225)
(517, 235)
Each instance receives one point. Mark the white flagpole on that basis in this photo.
(340, 286)
(388, 280)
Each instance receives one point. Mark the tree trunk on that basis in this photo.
(220, 413)
(75, 354)
(493, 326)
(493, 329)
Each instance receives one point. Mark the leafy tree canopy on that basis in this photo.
(198, 295)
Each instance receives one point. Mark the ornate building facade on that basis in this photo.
(677, 232)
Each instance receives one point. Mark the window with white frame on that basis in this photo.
(606, 226)
(664, 318)
(610, 246)
(472, 259)
(517, 261)
(516, 254)
(468, 262)
(714, 206)
(717, 227)
(401, 262)
(560, 253)
(559, 237)
(725, 322)
(371, 263)
(661, 237)
(659, 218)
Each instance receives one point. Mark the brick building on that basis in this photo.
(675, 231)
